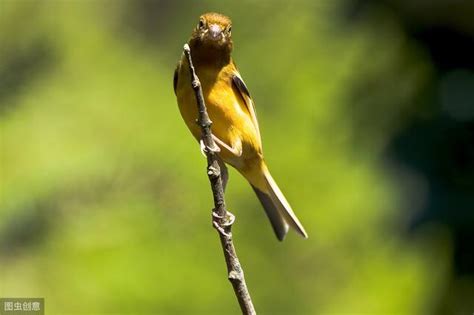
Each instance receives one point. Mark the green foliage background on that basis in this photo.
(105, 205)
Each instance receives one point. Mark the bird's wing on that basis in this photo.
(245, 94)
(175, 78)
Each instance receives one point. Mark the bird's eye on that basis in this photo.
(201, 24)
(229, 29)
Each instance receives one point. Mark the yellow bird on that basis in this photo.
(231, 109)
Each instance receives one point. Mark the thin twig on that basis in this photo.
(222, 220)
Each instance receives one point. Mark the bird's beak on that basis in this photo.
(215, 31)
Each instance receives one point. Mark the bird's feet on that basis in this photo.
(204, 148)
(223, 226)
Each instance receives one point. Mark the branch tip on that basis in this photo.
(186, 48)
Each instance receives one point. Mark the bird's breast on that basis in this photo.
(230, 122)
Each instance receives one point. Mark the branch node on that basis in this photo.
(196, 84)
(213, 172)
(234, 275)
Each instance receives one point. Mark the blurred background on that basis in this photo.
(366, 110)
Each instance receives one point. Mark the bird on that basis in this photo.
(231, 109)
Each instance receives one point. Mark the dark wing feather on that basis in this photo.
(175, 78)
(245, 94)
(241, 85)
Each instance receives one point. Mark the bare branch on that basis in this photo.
(222, 220)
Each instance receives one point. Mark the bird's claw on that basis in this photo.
(205, 149)
(229, 219)
(221, 229)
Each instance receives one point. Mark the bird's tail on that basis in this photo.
(277, 208)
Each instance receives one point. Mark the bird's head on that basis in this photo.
(213, 31)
